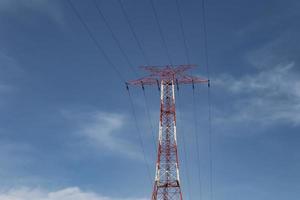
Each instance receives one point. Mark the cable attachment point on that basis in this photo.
(177, 84)
(193, 84)
(142, 85)
(158, 87)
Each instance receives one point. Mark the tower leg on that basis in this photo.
(167, 184)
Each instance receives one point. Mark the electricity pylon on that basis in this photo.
(167, 183)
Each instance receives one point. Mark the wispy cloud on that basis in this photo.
(274, 52)
(270, 93)
(15, 159)
(71, 193)
(103, 130)
(270, 96)
(46, 7)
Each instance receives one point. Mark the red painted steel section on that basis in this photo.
(167, 183)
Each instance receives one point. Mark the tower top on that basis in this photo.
(175, 73)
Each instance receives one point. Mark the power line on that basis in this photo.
(95, 40)
(197, 143)
(183, 33)
(147, 61)
(114, 36)
(194, 106)
(140, 136)
(149, 119)
(120, 76)
(160, 31)
(184, 148)
(210, 142)
(208, 98)
(133, 32)
(205, 37)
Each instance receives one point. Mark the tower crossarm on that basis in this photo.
(168, 73)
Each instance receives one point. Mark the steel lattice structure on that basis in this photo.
(167, 182)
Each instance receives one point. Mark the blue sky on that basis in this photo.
(66, 127)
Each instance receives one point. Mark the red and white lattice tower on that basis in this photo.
(167, 182)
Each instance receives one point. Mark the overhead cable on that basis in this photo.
(197, 143)
(160, 31)
(185, 155)
(208, 98)
(101, 50)
(133, 32)
(149, 120)
(114, 37)
(140, 137)
(183, 32)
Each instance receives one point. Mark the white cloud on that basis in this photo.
(49, 8)
(104, 130)
(269, 96)
(272, 53)
(71, 193)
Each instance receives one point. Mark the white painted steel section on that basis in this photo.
(177, 172)
(157, 175)
(175, 129)
(173, 91)
(175, 135)
(157, 172)
(161, 91)
(161, 101)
